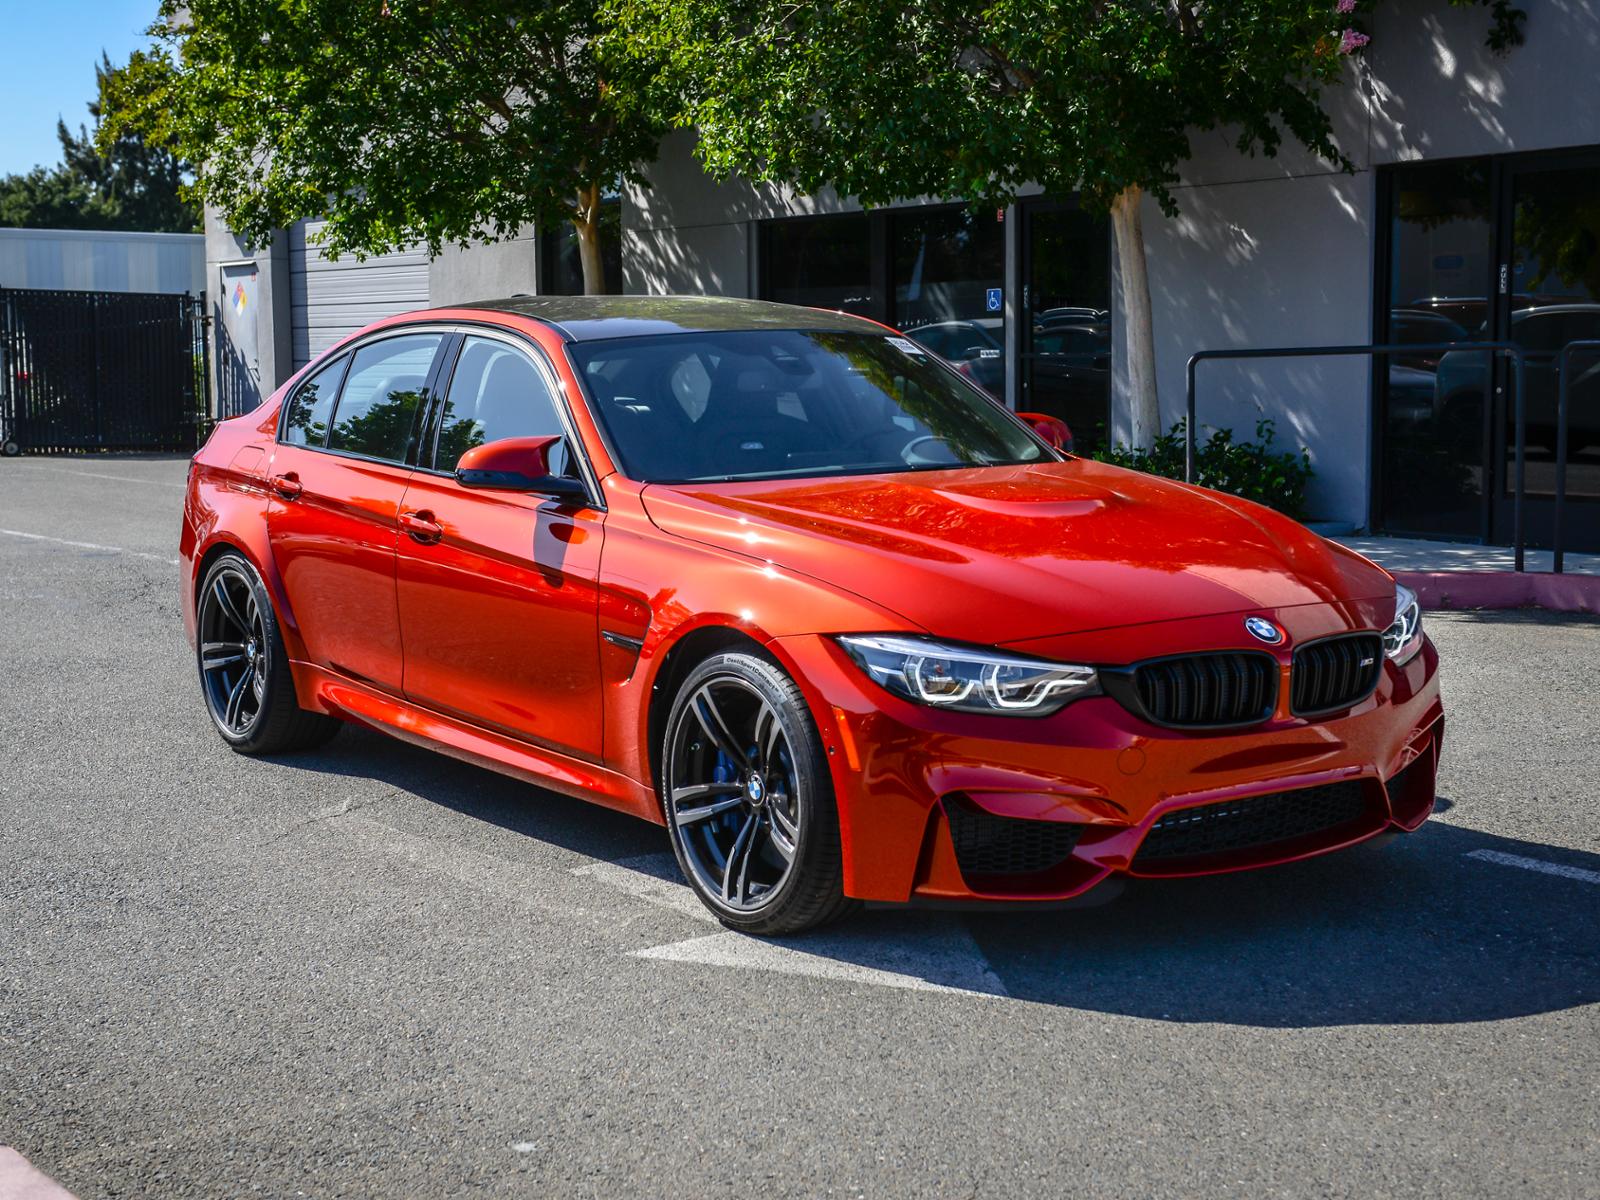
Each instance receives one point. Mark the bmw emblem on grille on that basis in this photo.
(1264, 630)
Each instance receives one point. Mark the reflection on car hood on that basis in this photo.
(1000, 554)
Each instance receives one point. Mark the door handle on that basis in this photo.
(421, 526)
(288, 485)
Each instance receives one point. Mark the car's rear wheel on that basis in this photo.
(244, 669)
(749, 800)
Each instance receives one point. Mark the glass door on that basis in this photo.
(1492, 250)
(1433, 409)
(1065, 345)
(1552, 297)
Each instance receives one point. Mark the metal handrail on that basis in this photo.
(1563, 387)
(1513, 351)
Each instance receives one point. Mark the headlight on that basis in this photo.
(969, 679)
(1403, 639)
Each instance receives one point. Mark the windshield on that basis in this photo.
(764, 404)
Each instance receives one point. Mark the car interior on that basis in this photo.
(495, 392)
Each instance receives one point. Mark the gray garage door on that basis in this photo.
(331, 299)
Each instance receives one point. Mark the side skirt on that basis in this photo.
(323, 691)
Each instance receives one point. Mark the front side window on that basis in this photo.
(306, 422)
(377, 411)
(761, 404)
(495, 393)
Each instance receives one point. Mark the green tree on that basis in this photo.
(890, 99)
(401, 121)
(103, 181)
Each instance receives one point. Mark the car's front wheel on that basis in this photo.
(244, 669)
(749, 800)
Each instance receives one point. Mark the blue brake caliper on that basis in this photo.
(725, 772)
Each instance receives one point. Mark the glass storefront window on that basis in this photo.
(1066, 342)
(1440, 256)
(563, 269)
(1555, 271)
(948, 267)
(820, 262)
(938, 272)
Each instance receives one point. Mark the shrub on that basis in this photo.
(1254, 470)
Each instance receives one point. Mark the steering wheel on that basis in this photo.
(912, 458)
(908, 452)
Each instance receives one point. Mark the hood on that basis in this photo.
(1001, 554)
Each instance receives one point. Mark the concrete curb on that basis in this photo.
(1504, 589)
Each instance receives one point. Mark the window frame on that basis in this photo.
(348, 351)
(339, 358)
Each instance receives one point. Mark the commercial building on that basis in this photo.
(93, 260)
(1472, 213)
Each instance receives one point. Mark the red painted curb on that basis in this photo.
(1504, 589)
(21, 1180)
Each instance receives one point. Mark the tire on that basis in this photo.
(244, 669)
(743, 775)
(10, 448)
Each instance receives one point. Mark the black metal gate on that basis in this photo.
(101, 371)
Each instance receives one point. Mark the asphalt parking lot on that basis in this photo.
(373, 971)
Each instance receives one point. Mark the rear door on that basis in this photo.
(499, 606)
(347, 447)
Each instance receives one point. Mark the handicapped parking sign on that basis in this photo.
(992, 301)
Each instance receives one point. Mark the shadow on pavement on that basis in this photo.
(485, 795)
(1411, 932)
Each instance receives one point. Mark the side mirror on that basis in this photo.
(516, 465)
(1052, 429)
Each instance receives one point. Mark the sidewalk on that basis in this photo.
(1459, 575)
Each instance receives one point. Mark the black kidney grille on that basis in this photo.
(1208, 689)
(1334, 673)
(989, 845)
(1235, 825)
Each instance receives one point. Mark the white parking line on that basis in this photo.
(1534, 864)
(652, 878)
(935, 961)
(938, 956)
(166, 483)
(39, 537)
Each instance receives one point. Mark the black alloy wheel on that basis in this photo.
(244, 670)
(749, 800)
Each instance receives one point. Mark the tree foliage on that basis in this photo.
(890, 99)
(401, 122)
(103, 181)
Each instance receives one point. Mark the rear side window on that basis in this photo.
(377, 411)
(495, 393)
(306, 423)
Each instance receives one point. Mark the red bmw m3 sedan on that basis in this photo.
(790, 585)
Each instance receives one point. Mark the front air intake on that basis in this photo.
(988, 846)
(1251, 824)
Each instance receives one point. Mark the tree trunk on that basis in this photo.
(1143, 405)
(587, 222)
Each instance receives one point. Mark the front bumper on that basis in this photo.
(901, 771)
